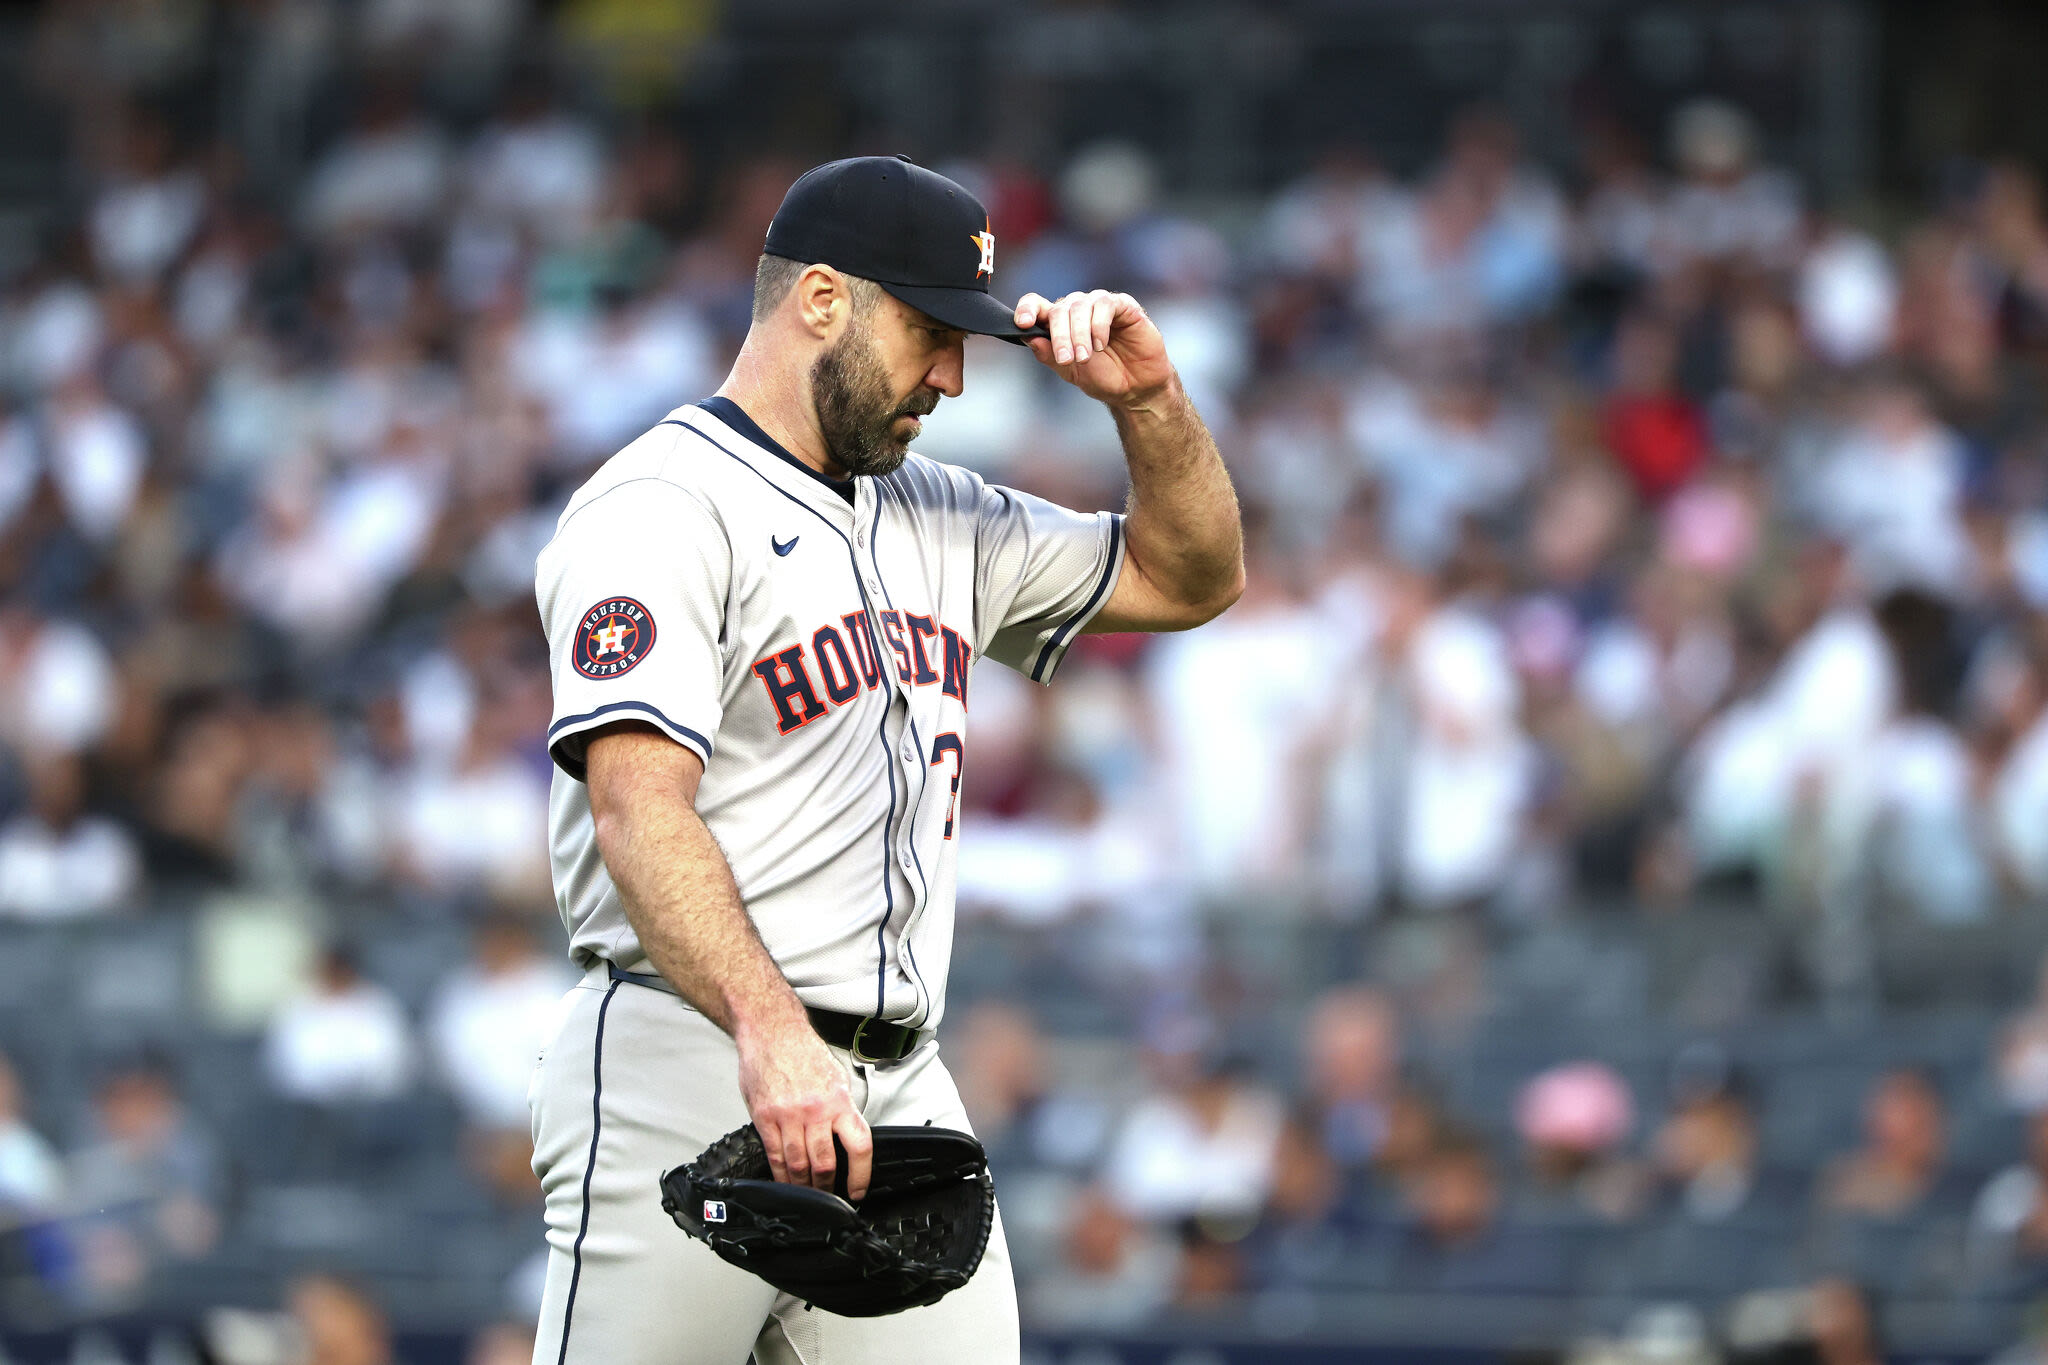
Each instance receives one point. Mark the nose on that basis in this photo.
(948, 373)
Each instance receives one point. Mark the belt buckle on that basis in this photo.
(859, 1033)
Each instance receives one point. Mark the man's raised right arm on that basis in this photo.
(682, 901)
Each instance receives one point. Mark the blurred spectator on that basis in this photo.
(1351, 1067)
(56, 860)
(1201, 1145)
(31, 1175)
(1456, 1241)
(2021, 1060)
(1211, 1267)
(2019, 808)
(1573, 1120)
(390, 171)
(1457, 1197)
(503, 1343)
(1657, 434)
(1890, 486)
(1241, 813)
(1667, 1333)
(472, 826)
(345, 1041)
(1831, 1322)
(1756, 765)
(1078, 850)
(537, 167)
(149, 209)
(150, 1178)
(97, 457)
(1301, 1231)
(319, 557)
(1002, 1074)
(1116, 1273)
(1707, 1157)
(1318, 224)
(488, 1020)
(338, 1323)
(607, 370)
(1470, 768)
(1848, 297)
(1620, 220)
(468, 812)
(1005, 1085)
(2009, 1222)
(59, 684)
(1442, 445)
(1843, 1325)
(1899, 1165)
(1726, 208)
(1483, 242)
(1416, 1127)
(1907, 811)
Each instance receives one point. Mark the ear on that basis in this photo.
(824, 300)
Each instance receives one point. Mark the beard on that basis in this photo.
(857, 410)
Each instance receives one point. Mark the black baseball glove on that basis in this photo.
(916, 1236)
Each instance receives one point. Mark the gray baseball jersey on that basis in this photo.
(811, 641)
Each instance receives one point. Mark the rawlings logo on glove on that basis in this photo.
(916, 1237)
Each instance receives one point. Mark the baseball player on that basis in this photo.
(763, 617)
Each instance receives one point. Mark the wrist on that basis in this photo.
(770, 1022)
(1158, 400)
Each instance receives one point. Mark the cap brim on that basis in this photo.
(968, 309)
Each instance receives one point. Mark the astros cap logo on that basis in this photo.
(986, 240)
(612, 637)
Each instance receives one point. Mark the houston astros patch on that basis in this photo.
(613, 636)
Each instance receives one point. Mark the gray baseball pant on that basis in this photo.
(634, 1082)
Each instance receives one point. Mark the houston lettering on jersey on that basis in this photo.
(840, 661)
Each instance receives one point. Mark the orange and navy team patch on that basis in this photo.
(613, 636)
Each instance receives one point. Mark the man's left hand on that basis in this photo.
(1101, 343)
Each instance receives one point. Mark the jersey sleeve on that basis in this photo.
(632, 592)
(1041, 573)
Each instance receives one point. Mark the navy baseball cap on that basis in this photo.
(920, 236)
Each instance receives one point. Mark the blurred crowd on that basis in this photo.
(1625, 526)
(1621, 528)
(1219, 1179)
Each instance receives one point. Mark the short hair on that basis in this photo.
(775, 276)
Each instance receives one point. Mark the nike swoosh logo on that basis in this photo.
(783, 547)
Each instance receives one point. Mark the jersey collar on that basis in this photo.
(734, 416)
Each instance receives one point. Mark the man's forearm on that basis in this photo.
(682, 902)
(1183, 526)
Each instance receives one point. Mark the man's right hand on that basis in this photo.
(797, 1094)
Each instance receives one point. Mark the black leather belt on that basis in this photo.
(867, 1038)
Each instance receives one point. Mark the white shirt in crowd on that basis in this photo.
(1470, 767)
(338, 1046)
(1166, 1164)
(486, 1029)
(59, 688)
(89, 868)
(31, 1173)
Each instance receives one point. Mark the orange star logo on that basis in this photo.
(986, 240)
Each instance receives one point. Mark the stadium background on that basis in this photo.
(1583, 904)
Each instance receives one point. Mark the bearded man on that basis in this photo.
(762, 616)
